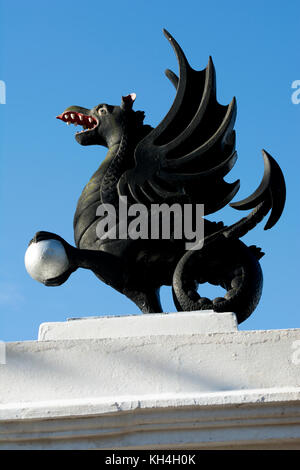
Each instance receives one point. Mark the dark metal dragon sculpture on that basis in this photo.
(183, 160)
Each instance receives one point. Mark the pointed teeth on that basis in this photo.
(87, 122)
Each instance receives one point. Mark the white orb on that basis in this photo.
(46, 259)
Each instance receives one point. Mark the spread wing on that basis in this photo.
(188, 154)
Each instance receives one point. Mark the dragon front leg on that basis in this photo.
(51, 260)
(148, 300)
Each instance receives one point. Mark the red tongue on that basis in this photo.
(79, 118)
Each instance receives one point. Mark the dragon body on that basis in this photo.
(182, 160)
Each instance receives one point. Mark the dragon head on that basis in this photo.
(103, 124)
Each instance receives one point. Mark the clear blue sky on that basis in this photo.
(59, 53)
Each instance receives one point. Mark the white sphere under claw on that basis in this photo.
(46, 259)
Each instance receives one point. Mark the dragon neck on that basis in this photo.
(112, 169)
(119, 158)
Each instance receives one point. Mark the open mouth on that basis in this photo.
(87, 122)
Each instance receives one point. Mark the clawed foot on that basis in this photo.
(44, 260)
(42, 235)
(59, 280)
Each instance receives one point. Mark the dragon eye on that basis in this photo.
(102, 111)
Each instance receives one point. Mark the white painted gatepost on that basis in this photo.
(159, 381)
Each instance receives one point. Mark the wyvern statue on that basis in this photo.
(183, 160)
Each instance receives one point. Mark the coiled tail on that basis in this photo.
(227, 263)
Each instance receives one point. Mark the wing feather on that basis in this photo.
(193, 147)
(218, 171)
